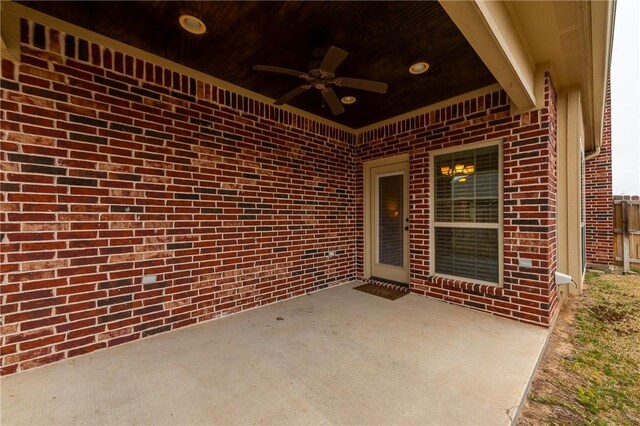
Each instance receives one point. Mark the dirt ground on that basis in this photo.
(590, 367)
(560, 347)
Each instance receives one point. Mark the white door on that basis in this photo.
(389, 219)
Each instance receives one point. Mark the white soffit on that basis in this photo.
(575, 38)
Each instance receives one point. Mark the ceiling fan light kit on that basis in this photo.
(322, 77)
(348, 100)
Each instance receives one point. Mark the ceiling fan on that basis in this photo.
(321, 77)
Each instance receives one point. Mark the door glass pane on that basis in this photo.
(390, 220)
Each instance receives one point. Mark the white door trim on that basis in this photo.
(368, 211)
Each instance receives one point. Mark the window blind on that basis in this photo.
(467, 214)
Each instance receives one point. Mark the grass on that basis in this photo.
(598, 381)
(608, 340)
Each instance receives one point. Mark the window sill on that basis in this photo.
(457, 283)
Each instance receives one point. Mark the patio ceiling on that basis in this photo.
(383, 39)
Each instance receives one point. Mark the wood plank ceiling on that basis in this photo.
(383, 39)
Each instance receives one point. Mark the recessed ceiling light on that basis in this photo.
(419, 68)
(348, 100)
(192, 24)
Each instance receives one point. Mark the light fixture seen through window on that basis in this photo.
(192, 24)
(459, 172)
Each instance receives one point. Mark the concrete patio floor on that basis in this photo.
(338, 356)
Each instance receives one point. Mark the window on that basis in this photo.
(467, 214)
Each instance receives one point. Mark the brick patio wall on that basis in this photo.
(114, 169)
(529, 149)
(599, 197)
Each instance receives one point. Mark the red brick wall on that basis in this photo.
(114, 168)
(599, 197)
(529, 149)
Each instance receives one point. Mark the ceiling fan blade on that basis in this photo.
(291, 94)
(332, 100)
(332, 59)
(280, 70)
(359, 83)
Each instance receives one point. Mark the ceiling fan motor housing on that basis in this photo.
(320, 79)
(320, 76)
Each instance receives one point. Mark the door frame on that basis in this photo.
(368, 211)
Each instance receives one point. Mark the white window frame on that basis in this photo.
(499, 226)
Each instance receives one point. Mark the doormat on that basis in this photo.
(376, 290)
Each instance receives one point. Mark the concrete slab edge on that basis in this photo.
(552, 326)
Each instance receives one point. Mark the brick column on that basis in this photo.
(599, 197)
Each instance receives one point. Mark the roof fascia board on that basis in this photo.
(602, 21)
